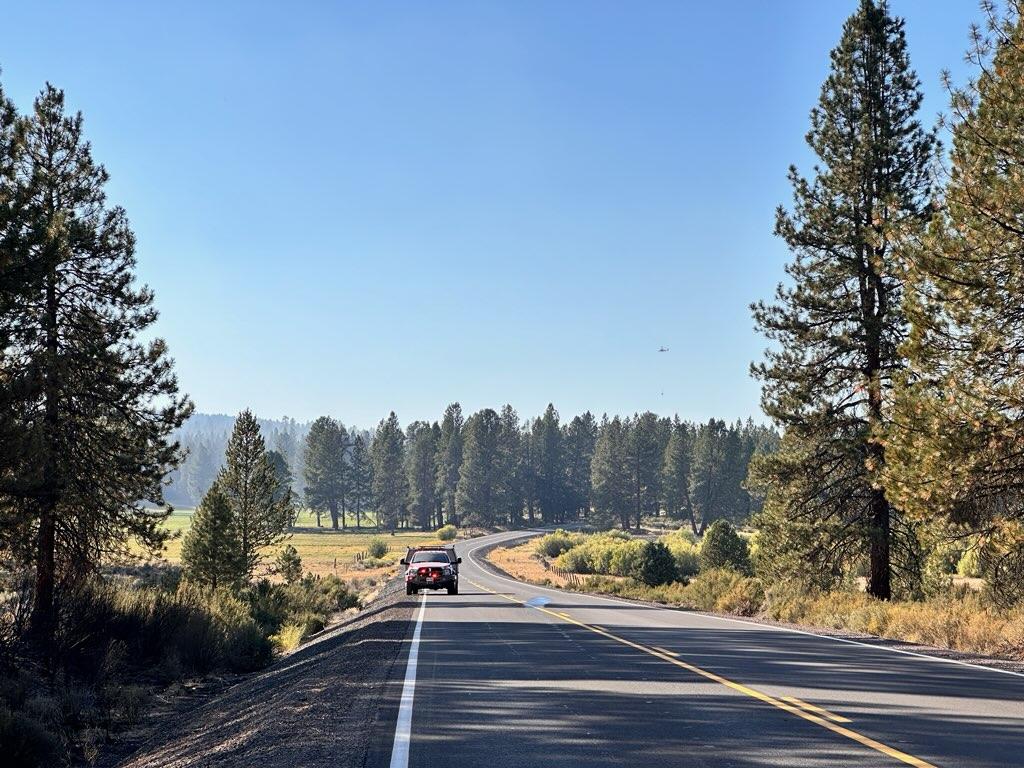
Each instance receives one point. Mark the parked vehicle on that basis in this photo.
(431, 568)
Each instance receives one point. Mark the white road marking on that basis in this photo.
(403, 726)
(772, 627)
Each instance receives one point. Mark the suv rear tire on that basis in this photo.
(411, 590)
(453, 590)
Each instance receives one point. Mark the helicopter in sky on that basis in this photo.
(663, 349)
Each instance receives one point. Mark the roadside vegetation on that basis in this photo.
(719, 574)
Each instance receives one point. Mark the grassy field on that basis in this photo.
(323, 550)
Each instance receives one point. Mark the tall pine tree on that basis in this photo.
(827, 380)
(449, 460)
(390, 487)
(955, 452)
(326, 469)
(94, 405)
(611, 475)
(479, 479)
(361, 473)
(260, 511)
(421, 471)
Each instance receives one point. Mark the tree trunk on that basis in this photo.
(318, 519)
(880, 584)
(43, 618)
(333, 509)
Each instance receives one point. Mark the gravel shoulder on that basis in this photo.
(320, 705)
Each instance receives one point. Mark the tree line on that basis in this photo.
(495, 469)
(896, 370)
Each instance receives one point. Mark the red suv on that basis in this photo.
(431, 568)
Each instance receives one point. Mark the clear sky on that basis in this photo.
(353, 207)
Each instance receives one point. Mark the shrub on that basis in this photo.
(723, 548)
(289, 637)
(27, 743)
(576, 561)
(447, 532)
(377, 547)
(685, 552)
(968, 563)
(289, 564)
(744, 598)
(554, 544)
(655, 565)
(707, 588)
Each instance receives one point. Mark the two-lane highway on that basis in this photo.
(510, 674)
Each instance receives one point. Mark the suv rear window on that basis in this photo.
(430, 557)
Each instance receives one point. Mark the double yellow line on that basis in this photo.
(789, 704)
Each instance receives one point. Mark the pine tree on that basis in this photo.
(289, 564)
(579, 440)
(261, 514)
(675, 474)
(389, 481)
(550, 477)
(645, 454)
(211, 552)
(828, 380)
(611, 475)
(510, 501)
(449, 460)
(954, 454)
(92, 407)
(479, 478)
(282, 474)
(361, 478)
(708, 477)
(326, 468)
(421, 471)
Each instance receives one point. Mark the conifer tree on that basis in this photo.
(611, 475)
(828, 379)
(675, 474)
(645, 452)
(579, 440)
(361, 478)
(93, 405)
(390, 488)
(326, 468)
(954, 454)
(449, 460)
(421, 471)
(260, 512)
(479, 478)
(211, 552)
(510, 468)
(550, 470)
(709, 487)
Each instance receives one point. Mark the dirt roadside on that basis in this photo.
(317, 706)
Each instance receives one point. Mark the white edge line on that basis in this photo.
(403, 725)
(772, 627)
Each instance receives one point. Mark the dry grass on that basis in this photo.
(524, 563)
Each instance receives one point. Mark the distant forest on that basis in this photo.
(494, 468)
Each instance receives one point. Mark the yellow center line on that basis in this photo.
(666, 652)
(817, 710)
(792, 709)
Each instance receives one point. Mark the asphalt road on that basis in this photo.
(574, 680)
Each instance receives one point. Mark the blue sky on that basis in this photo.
(349, 208)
